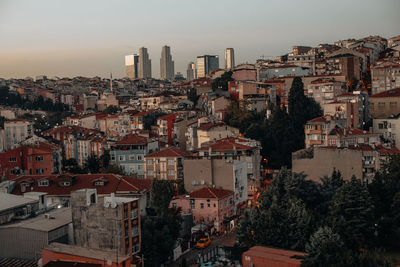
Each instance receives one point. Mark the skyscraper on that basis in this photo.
(166, 64)
(206, 64)
(131, 66)
(191, 71)
(229, 58)
(144, 63)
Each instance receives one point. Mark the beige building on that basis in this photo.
(206, 64)
(208, 132)
(131, 66)
(317, 130)
(362, 161)
(385, 104)
(218, 173)
(229, 58)
(325, 90)
(388, 128)
(16, 131)
(385, 76)
(191, 72)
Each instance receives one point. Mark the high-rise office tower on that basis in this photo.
(206, 64)
(166, 64)
(131, 66)
(144, 63)
(191, 71)
(229, 58)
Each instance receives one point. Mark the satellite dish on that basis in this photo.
(109, 262)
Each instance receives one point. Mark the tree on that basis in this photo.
(113, 168)
(92, 164)
(328, 188)
(112, 110)
(105, 158)
(352, 214)
(221, 83)
(162, 193)
(352, 84)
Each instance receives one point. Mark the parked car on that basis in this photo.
(203, 242)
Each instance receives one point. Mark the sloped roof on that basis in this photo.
(209, 192)
(169, 152)
(133, 139)
(389, 93)
(225, 144)
(210, 125)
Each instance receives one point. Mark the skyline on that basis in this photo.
(91, 39)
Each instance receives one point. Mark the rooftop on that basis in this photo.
(390, 93)
(169, 152)
(9, 201)
(209, 192)
(278, 255)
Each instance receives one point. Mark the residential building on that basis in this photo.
(180, 127)
(131, 66)
(144, 64)
(16, 131)
(229, 58)
(26, 238)
(208, 205)
(219, 173)
(206, 64)
(107, 99)
(166, 64)
(63, 254)
(303, 60)
(166, 164)
(37, 158)
(385, 76)
(362, 161)
(385, 104)
(388, 129)
(325, 90)
(115, 219)
(359, 110)
(58, 188)
(265, 73)
(191, 72)
(347, 113)
(209, 132)
(343, 137)
(316, 131)
(166, 126)
(129, 153)
(266, 256)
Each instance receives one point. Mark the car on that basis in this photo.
(203, 242)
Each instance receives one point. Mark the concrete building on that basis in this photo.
(385, 76)
(325, 90)
(166, 164)
(209, 132)
(191, 72)
(167, 70)
(265, 73)
(229, 58)
(26, 239)
(111, 223)
(208, 205)
(219, 173)
(14, 207)
(144, 64)
(316, 131)
(385, 104)
(362, 161)
(16, 131)
(206, 64)
(388, 128)
(131, 66)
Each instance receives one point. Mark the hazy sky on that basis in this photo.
(91, 37)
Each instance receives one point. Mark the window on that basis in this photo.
(171, 162)
(121, 158)
(201, 205)
(39, 171)
(393, 104)
(139, 157)
(13, 159)
(381, 104)
(192, 205)
(171, 172)
(226, 203)
(149, 162)
(208, 205)
(215, 205)
(150, 173)
(113, 157)
(131, 157)
(140, 167)
(174, 205)
(39, 158)
(65, 183)
(43, 182)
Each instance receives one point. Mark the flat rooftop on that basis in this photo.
(90, 253)
(58, 218)
(10, 201)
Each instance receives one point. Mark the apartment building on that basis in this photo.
(385, 104)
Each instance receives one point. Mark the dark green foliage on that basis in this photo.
(112, 110)
(352, 214)
(162, 192)
(221, 83)
(92, 164)
(105, 159)
(70, 165)
(192, 96)
(112, 168)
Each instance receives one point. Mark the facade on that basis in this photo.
(219, 173)
(385, 104)
(388, 128)
(207, 205)
(167, 71)
(129, 153)
(110, 223)
(229, 58)
(191, 72)
(166, 164)
(209, 132)
(144, 64)
(385, 76)
(325, 90)
(14, 207)
(26, 238)
(266, 73)
(362, 161)
(166, 126)
(131, 66)
(206, 64)
(16, 131)
(316, 131)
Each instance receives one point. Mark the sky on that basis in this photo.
(91, 37)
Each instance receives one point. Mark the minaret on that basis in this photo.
(111, 82)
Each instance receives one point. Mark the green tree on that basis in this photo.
(112, 110)
(221, 83)
(162, 192)
(105, 159)
(113, 168)
(352, 214)
(92, 164)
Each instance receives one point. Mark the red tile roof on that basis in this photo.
(208, 192)
(225, 144)
(133, 139)
(318, 119)
(169, 153)
(115, 184)
(342, 132)
(210, 125)
(390, 93)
